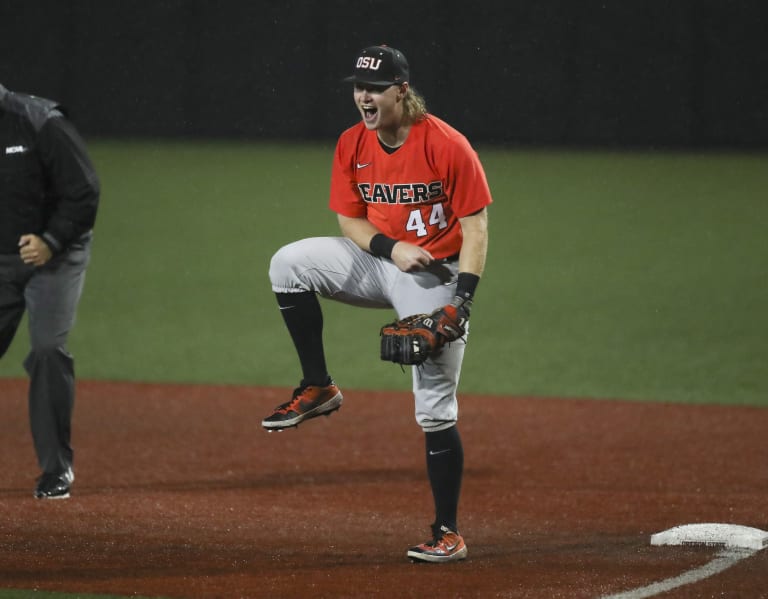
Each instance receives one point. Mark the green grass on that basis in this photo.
(641, 276)
(637, 276)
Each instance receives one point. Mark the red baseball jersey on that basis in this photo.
(418, 193)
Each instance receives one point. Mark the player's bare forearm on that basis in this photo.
(359, 230)
(474, 246)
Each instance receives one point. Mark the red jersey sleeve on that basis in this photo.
(345, 198)
(467, 185)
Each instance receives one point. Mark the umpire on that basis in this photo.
(49, 194)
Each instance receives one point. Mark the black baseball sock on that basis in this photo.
(304, 319)
(445, 465)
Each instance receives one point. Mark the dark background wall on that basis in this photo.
(650, 73)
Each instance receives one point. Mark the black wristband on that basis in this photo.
(466, 285)
(381, 245)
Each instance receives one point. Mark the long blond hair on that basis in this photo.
(414, 106)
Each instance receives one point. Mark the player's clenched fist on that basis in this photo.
(409, 257)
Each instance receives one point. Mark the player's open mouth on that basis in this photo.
(369, 112)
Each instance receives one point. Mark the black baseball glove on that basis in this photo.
(413, 339)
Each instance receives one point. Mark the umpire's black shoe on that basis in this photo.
(53, 485)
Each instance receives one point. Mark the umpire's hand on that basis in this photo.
(34, 250)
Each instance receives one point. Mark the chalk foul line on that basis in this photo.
(724, 560)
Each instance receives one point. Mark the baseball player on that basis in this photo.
(410, 195)
(49, 193)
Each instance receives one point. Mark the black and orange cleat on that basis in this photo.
(308, 401)
(446, 546)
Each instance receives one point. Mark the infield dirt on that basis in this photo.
(180, 493)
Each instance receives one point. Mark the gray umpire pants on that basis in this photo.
(50, 295)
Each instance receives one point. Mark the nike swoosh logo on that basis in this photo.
(363, 165)
(286, 307)
(438, 452)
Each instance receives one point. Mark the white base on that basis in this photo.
(714, 535)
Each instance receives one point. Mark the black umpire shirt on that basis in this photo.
(48, 186)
